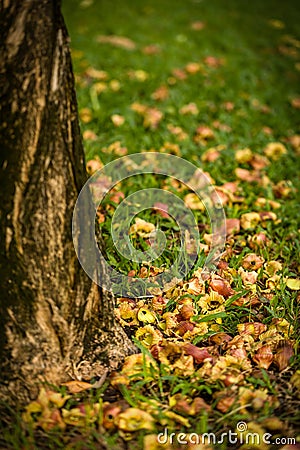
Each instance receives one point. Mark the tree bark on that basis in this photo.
(55, 323)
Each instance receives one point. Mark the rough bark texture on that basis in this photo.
(54, 322)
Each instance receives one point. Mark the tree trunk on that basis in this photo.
(55, 323)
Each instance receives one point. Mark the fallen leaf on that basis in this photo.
(85, 115)
(117, 41)
(161, 209)
(221, 286)
(190, 108)
(89, 135)
(76, 386)
(243, 156)
(161, 93)
(199, 354)
(111, 411)
(93, 165)
(295, 102)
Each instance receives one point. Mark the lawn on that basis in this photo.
(217, 84)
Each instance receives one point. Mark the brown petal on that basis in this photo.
(225, 404)
(232, 226)
(199, 405)
(199, 354)
(220, 338)
(221, 286)
(187, 311)
(258, 240)
(110, 412)
(76, 386)
(252, 261)
(284, 353)
(238, 353)
(264, 357)
(184, 326)
(252, 328)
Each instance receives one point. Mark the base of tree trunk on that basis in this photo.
(55, 323)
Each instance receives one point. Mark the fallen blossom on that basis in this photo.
(243, 156)
(248, 278)
(117, 120)
(252, 261)
(142, 228)
(250, 220)
(161, 93)
(133, 419)
(264, 357)
(190, 108)
(192, 201)
(274, 150)
(232, 226)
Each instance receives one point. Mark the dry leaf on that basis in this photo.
(221, 286)
(117, 41)
(117, 120)
(76, 386)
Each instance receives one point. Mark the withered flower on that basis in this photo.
(274, 150)
(174, 357)
(264, 357)
(148, 335)
(221, 286)
(250, 220)
(259, 240)
(252, 328)
(252, 261)
(199, 354)
(184, 327)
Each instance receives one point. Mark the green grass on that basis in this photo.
(259, 49)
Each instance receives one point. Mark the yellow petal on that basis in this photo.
(134, 419)
(145, 315)
(192, 201)
(293, 283)
(182, 420)
(142, 228)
